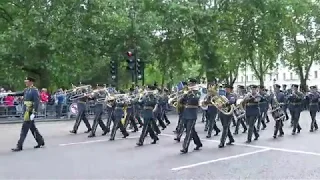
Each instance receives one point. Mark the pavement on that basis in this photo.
(69, 156)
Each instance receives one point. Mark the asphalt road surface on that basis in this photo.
(69, 156)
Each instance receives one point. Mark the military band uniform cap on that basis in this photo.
(228, 86)
(277, 85)
(151, 87)
(261, 87)
(240, 86)
(284, 85)
(313, 87)
(30, 79)
(192, 80)
(295, 85)
(254, 86)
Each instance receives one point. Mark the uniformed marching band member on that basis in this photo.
(251, 101)
(189, 117)
(164, 106)
(130, 119)
(81, 104)
(98, 111)
(295, 107)
(241, 94)
(31, 100)
(226, 119)
(286, 94)
(313, 98)
(149, 105)
(118, 113)
(158, 112)
(212, 112)
(180, 108)
(279, 96)
(263, 106)
(137, 107)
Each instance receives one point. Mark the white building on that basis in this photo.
(281, 75)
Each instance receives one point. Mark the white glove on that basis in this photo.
(32, 116)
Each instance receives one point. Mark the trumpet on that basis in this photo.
(79, 92)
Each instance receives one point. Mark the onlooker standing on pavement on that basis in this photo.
(59, 99)
(44, 99)
(9, 102)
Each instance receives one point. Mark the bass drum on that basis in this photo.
(73, 108)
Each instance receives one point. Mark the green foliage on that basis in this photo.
(64, 42)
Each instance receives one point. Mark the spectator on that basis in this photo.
(44, 99)
(9, 102)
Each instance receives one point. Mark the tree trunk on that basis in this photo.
(261, 80)
(303, 84)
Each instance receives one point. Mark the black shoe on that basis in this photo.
(155, 141)
(299, 130)
(39, 146)
(111, 139)
(73, 132)
(125, 135)
(256, 138)
(274, 136)
(91, 135)
(244, 131)
(87, 131)
(311, 130)
(17, 149)
(248, 141)
(139, 144)
(208, 136)
(293, 133)
(104, 133)
(217, 133)
(136, 130)
(221, 146)
(198, 147)
(184, 151)
(235, 133)
(230, 142)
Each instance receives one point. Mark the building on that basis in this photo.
(281, 75)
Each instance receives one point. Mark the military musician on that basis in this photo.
(97, 95)
(118, 113)
(241, 120)
(81, 105)
(164, 105)
(181, 104)
(211, 113)
(226, 119)
(31, 100)
(129, 119)
(278, 99)
(313, 98)
(251, 101)
(295, 107)
(149, 103)
(190, 116)
(158, 112)
(263, 106)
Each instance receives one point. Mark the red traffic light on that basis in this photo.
(129, 53)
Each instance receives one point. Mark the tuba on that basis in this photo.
(221, 101)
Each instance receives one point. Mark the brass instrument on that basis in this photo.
(79, 92)
(220, 101)
(174, 98)
(276, 110)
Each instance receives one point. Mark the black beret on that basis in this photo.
(261, 87)
(295, 85)
(192, 80)
(277, 85)
(228, 86)
(254, 86)
(313, 87)
(31, 79)
(240, 86)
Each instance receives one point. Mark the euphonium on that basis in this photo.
(221, 103)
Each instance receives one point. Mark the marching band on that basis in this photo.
(248, 109)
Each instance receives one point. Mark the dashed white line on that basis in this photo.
(260, 147)
(96, 141)
(217, 160)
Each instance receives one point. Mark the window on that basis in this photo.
(252, 77)
(277, 77)
(270, 77)
(247, 78)
(241, 78)
(315, 74)
(291, 76)
(284, 76)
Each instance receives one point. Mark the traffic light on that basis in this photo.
(139, 69)
(130, 60)
(113, 69)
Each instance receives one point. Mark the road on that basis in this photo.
(77, 157)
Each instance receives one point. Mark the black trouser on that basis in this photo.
(180, 127)
(212, 125)
(252, 128)
(295, 117)
(81, 116)
(278, 128)
(109, 119)
(262, 120)
(225, 122)
(98, 120)
(117, 124)
(314, 124)
(26, 125)
(130, 119)
(147, 129)
(160, 120)
(165, 117)
(190, 134)
(243, 124)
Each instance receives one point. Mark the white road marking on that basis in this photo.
(96, 141)
(217, 160)
(260, 147)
